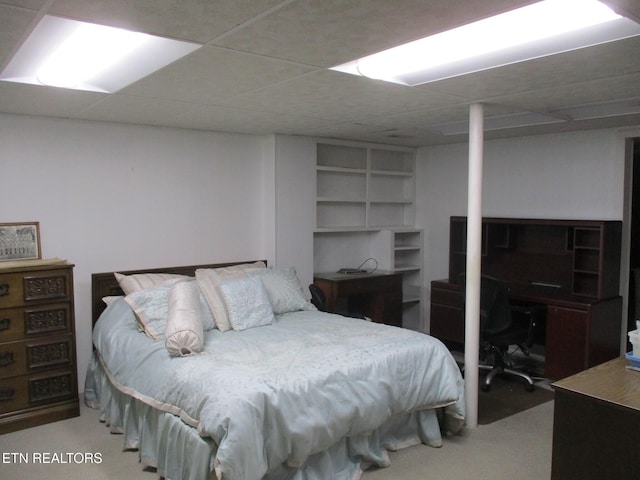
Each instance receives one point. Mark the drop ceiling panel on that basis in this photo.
(211, 74)
(327, 33)
(197, 21)
(254, 122)
(580, 93)
(601, 61)
(13, 25)
(53, 102)
(339, 97)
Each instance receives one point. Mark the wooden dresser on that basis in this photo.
(38, 373)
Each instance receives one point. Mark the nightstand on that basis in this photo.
(38, 372)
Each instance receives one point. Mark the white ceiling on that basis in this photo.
(263, 70)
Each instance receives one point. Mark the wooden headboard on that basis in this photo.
(105, 284)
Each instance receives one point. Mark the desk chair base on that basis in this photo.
(497, 370)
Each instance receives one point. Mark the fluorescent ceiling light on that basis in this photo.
(540, 29)
(82, 56)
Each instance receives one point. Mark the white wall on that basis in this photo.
(573, 175)
(295, 204)
(115, 197)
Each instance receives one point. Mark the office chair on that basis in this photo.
(502, 325)
(319, 300)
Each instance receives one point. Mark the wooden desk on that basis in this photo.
(596, 424)
(581, 332)
(377, 295)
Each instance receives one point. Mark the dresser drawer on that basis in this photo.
(24, 288)
(21, 323)
(18, 358)
(17, 393)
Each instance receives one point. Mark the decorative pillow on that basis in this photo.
(284, 290)
(151, 306)
(247, 303)
(209, 280)
(183, 332)
(141, 281)
(110, 299)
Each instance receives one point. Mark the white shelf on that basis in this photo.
(350, 177)
(365, 208)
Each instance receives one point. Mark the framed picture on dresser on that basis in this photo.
(20, 241)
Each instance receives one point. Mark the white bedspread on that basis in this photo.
(277, 394)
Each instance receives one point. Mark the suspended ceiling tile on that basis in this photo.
(601, 61)
(36, 100)
(212, 74)
(326, 33)
(197, 21)
(337, 96)
(13, 25)
(135, 110)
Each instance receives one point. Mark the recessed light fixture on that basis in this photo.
(71, 54)
(537, 30)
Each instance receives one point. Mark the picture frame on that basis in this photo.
(20, 241)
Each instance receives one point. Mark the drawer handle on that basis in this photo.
(7, 394)
(5, 323)
(6, 359)
(4, 289)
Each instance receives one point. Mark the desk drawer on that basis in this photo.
(363, 284)
(24, 288)
(17, 393)
(442, 296)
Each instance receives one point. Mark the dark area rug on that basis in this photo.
(507, 397)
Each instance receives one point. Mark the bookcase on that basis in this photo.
(365, 207)
(362, 187)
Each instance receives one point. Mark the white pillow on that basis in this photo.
(184, 331)
(150, 307)
(141, 281)
(209, 280)
(284, 290)
(247, 303)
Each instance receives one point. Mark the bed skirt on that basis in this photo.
(178, 452)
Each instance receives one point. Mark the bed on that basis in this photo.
(307, 395)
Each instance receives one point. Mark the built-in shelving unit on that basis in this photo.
(365, 207)
(363, 187)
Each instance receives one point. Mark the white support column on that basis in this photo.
(474, 248)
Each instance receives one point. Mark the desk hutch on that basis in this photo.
(571, 266)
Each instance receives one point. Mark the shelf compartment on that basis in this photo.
(332, 184)
(587, 238)
(396, 161)
(340, 214)
(341, 156)
(389, 214)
